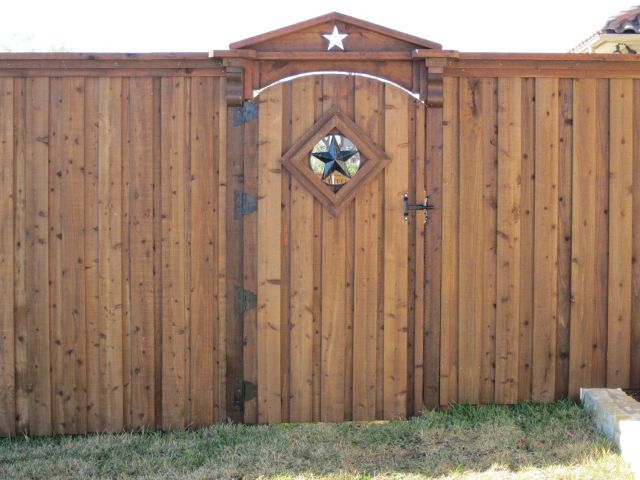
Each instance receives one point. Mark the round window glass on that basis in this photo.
(334, 159)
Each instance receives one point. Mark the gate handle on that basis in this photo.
(426, 206)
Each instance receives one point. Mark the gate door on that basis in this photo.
(329, 254)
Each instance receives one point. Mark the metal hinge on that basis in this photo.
(245, 300)
(247, 112)
(244, 203)
(244, 391)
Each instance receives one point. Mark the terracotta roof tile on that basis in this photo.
(625, 22)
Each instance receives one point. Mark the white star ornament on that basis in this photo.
(335, 38)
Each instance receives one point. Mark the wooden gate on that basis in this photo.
(328, 280)
(333, 335)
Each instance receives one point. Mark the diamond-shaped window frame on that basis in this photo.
(296, 159)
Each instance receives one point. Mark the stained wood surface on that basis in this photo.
(117, 234)
(84, 237)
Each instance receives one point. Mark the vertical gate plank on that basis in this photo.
(396, 252)
(471, 254)
(174, 249)
(367, 230)
(301, 342)
(620, 231)
(546, 241)
(450, 243)
(234, 181)
(489, 97)
(285, 259)
(583, 234)
(142, 388)
(250, 266)
(7, 200)
(509, 215)
(269, 253)
(110, 227)
(333, 295)
(565, 151)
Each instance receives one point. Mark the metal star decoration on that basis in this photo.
(335, 160)
(335, 38)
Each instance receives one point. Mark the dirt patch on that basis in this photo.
(635, 394)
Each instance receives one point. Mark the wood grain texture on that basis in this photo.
(7, 198)
(141, 241)
(584, 235)
(565, 158)
(301, 258)
(527, 239)
(450, 243)
(368, 94)
(635, 247)
(269, 251)
(546, 241)
(175, 409)
(509, 215)
(620, 234)
(110, 253)
(471, 254)
(203, 253)
(396, 179)
(489, 88)
(38, 381)
(66, 155)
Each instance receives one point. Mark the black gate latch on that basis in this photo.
(426, 206)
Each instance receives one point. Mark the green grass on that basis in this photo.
(526, 441)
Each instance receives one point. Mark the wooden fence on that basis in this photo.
(110, 292)
(114, 211)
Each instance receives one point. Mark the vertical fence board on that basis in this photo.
(203, 279)
(583, 235)
(66, 154)
(471, 253)
(620, 234)
(527, 193)
(599, 351)
(175, 191)
(38, 380)
(92, 253)
(489, 88)
(565, 156)
(509, 239)
(21, 413)
(546, 241)
(635, 247)
(7, 199)
(141, 238)
(110, 252)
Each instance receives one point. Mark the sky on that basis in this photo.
(199, 26)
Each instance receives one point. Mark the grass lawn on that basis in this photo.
(525, 441)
